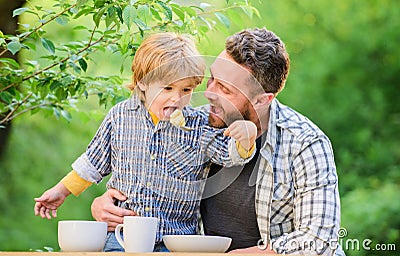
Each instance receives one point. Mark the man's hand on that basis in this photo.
(103, 209)
(254, 249)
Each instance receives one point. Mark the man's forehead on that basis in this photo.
(226, 69)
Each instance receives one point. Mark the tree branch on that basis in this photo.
(41, 25)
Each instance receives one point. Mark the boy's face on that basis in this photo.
(163, 100)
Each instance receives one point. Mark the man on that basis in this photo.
(287, 199)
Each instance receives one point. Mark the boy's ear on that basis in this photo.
(263, 100)
(142, 86)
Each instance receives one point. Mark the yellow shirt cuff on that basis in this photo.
(243, 152)
(74, 183)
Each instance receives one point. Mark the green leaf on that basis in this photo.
(124, 42)
(14, 47)
(224, 20)
(119, 13)
(144, 13)
(84, 11)
(54, 85)
(99, 3)
(206, 22)
(34, 111)
(66, 115)
(74, 67)
(178, 11)
(98, 15)
(250, 10)
(6, 97)
(20, 11)
(110, 17)
(168, 11)
(10, 62)
(141, 25)
(79, 27)
(48, 45)
(62, 20)
(63, 65)
(61, 94)
(129, 14)
(56, 113)
(79, 3)
(155, 14)
(203, 29)
(111, 11)
(83, 64)
(190, 11)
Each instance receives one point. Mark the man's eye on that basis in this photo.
(224, 88)
(187, 89)
(168, 88)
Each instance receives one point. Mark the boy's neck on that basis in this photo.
(154, 118)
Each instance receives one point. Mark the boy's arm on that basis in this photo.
(225, 151)
(244, 153)
(47, 204)
(74, 183)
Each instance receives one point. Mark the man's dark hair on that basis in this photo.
(264, 54)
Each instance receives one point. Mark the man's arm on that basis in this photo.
(316, 202)
(103, 209)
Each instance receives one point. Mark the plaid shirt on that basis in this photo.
(297, 198)
(160, 168)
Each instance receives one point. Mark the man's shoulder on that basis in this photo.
(296, 123)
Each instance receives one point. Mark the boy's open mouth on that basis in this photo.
(167, 111)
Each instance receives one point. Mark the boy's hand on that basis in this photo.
(245, 132)
(47, 204)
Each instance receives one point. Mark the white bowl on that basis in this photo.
(81, 235)
(196, 243)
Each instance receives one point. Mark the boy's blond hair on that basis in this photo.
(166, 58)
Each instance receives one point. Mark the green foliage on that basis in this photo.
(344, 76)
(373, 215)
(41, 152)
(53, 84)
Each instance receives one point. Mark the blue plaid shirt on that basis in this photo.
(160, 168)
(297, 198)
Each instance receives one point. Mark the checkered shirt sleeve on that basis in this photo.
(297, 199)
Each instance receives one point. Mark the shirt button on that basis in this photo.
(152, 157)
(147, 209)
(148, 184)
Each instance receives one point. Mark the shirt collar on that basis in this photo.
(134, 102)
(272, 124)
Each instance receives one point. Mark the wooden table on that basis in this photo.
(122, 254)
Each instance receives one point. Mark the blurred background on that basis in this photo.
(344, 76)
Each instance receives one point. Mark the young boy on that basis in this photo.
(158, 166)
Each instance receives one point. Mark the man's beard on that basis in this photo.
(229, 117)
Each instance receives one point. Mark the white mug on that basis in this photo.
(81, 235)
(139, 233)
